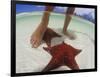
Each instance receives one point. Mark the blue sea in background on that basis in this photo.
(86, 13)
(28, 8)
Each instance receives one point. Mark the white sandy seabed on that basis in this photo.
(30, 59)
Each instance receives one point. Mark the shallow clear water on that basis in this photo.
(34, 60)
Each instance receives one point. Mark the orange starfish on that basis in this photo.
(49, 35)
(62, 54)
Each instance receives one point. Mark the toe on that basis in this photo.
(35, 44)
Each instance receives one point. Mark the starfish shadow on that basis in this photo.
(58, 40)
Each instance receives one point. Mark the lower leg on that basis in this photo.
(39, 32)
(68, 18)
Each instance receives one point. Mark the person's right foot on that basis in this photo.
(37, 36)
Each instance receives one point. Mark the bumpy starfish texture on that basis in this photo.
(62, 54)
(49, 35)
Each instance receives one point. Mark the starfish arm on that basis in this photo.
(48, 42)
(72, 64)
(77, 51)
(47, 49)
(53, 64)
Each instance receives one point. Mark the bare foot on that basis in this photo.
(37, 36)
(70, 34)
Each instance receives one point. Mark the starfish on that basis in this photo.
(49, 35)
(62, 54)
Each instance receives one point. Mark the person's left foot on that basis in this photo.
(70, 35)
